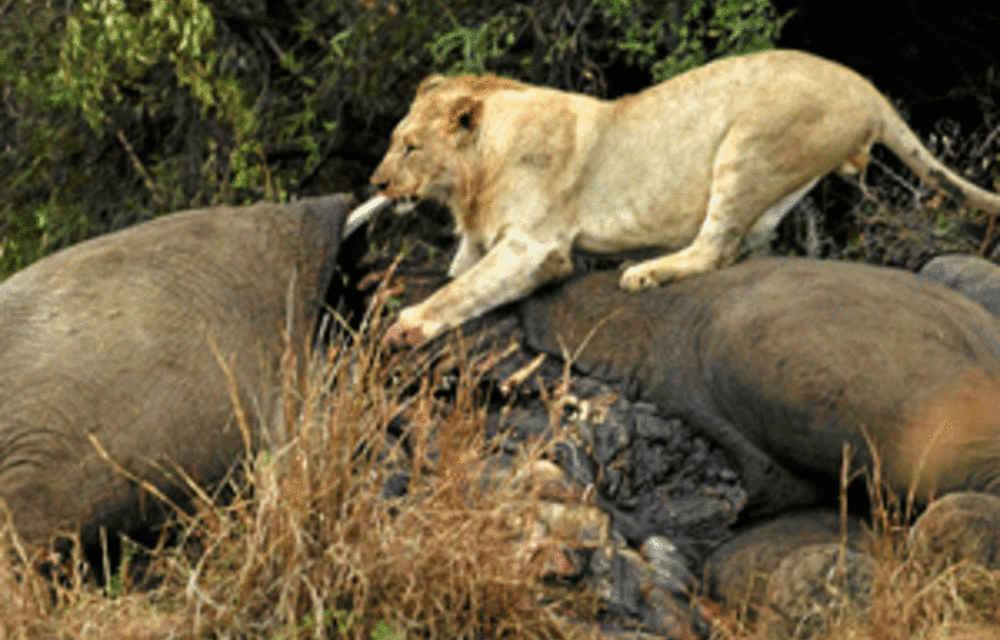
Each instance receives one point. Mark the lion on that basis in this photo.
(692, 166)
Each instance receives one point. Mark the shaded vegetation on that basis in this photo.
(114, 111)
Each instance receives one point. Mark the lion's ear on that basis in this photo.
(466, 113)
(430, 82)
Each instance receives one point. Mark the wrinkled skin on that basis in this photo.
(738, 569)
(691, 166)
(116, 339)
(783, 362)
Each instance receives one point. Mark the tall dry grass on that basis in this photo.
(309, 548)
(912, 597)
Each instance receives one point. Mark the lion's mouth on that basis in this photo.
(404, 204)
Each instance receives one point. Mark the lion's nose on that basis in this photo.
(379, 180)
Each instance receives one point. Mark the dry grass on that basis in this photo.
(909, 599)
(309, 549)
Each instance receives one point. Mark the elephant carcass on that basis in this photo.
(113, 358)
(784, 361)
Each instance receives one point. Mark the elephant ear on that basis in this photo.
(322, 224)
(465, 115)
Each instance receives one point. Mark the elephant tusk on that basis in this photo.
(364, 212)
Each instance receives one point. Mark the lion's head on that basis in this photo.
(429, 154)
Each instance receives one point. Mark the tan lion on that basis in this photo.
(692, 165)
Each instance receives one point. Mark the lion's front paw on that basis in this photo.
(638, 278)
(408, 330)
(402, 336)
(413, 328)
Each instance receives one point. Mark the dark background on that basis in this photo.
(934, 59)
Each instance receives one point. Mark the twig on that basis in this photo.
(451, 16)
(520, 376)
(146, 178)
(273, 44)
(988, 236)
(6, 6)
(916, 192)
(131, 477)
(979, 150)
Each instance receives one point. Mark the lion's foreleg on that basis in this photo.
(516, 265)
(469, 252)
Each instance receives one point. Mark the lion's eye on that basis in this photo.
(409, 148)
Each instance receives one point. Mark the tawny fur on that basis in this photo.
(692, 166)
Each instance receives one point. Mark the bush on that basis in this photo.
(119, 110)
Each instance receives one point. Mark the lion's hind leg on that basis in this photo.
(714, 246)
(747, 196)
(769, 221)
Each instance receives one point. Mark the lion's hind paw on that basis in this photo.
(638, 278)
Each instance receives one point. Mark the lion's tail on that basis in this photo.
(898, 136)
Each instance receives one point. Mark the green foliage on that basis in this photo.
(385, 631)
(727, 27)
(472, 49)
(119, 583)
(107, 49)
(117, 110)
(79, 80)
(655, 36)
